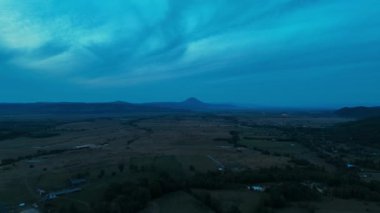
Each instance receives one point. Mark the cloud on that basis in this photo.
(124, 43)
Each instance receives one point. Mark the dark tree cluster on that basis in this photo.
(39, 153)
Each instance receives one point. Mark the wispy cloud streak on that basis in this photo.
(124, 43)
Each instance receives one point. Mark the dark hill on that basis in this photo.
(365, 132)
(359, 112)
(72, 108)
(77, 108)
(193, 101)
(193, 104)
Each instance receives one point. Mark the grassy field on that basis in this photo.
(168, 164)
(180, 146)
(280, 147)
(244, 200)
(177, 202)
(200, 163)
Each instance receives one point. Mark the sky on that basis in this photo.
(284, 53)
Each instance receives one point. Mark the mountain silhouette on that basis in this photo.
(359, 112)
(193, 104)
(106, 108)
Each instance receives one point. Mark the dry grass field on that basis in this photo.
(180, 145)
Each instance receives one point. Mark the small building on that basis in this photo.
(77, 181)
(86, 146)
(41, 192)
(53, 195)
(256, 188)
(319, 187)
(50, 196)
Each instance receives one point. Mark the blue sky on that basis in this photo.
(299, 53)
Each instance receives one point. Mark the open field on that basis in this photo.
(176, 148)
(176, 202)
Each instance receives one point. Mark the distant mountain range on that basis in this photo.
(359, 112)
(191, 104)
(120, 107)
(75, 108)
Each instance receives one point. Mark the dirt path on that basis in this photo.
(218, 163)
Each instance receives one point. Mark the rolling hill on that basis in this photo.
(359, 112)
(193, 104)
(76, 108)
(72, 108)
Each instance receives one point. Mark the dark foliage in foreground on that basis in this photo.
(39, 153)
(365, 132)
(286, 186)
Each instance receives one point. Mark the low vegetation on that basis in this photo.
(212, 162)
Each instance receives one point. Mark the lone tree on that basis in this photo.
(121, 166)
(101, 173)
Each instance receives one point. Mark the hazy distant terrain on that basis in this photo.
(195, 105)
(110, 108)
